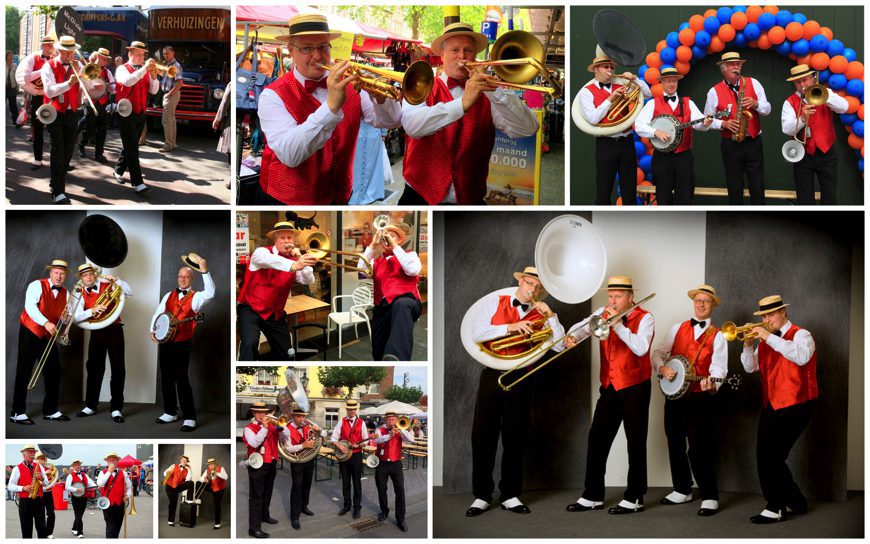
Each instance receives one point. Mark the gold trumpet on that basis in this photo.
(161, 69)
(518, 57)
(318, 246)
(414, 84)
(280, 421)
(732, 332)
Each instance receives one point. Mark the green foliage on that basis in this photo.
(51, 11)
(252, 370)
(404, 393)
(424, 22)
(13, 20)
(350, 376)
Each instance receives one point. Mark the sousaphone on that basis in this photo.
(104, 244)
(294, 395)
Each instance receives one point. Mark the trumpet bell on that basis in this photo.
(570, 258)
(91, 71)
(319, 244)
(417, 82)
(517, 44)
(381, 222)
(793, 151)
(46, 114)
(403, 423)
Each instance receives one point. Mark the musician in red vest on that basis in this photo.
(814, 126)
(45, 300)
(506, 413)
(115, 484)
(396, 298)
(302, 474)
(261, 436)
(29, 78)
(389, 440)
(93, 125)
(692, 418)
(183, 303)
(785, 357)
(354, 430)
(106, 341)
(79, 504)
(311, 118)
(624, 397)
(63, 91)
(215, 481)
(179, 479)
(742, 160)
(31, 512)
(134, 83)
(614, 153)
(450, 136)
(673, 172)
(47, 497)
(269, 278)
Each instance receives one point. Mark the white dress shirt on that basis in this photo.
(792, 123)
(84, 475)
(124, 77)
(104, 477)
(799, 350)
(200, 298)
(16, 474)
(336, 432)
(645, 117)
(255, 440)
(54, 88)
(81, 314)
(483, 330)
(262, 258)
(187, 478)
(638, 343)
(25, 72)
(294, 143)
(719, 362)
(409, 260)
(31, 300)
(293, 448)
(763, 104)
(222, 474)
(593, 115)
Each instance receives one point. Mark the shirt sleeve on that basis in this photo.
(368, 254)
(125, 287)
(837, 103)
(409, 260)
(696, 114)
(789, 120)
(24, 69)
(662, 353)
(386, 115)
(189, 477)
(263, 258)
(294, 143)
(421, 120)
(763, 105)
(587, 104)
(68, 482)
(638, 343)
(336, 433)
(201, 298)
(712, 102)
(222, 474)
(102, 478)
(255, 440)
(365, 431)
(127, 79)
(379, 437)
(799, 350)
(305, 276)
(13, 481)
(168, 470)
(749, 359)
(719, 364)
(482, 328)
(51, 87)
(644, 118)
(510, 115)
(153, 85)
(558, 332)
(583, 330)
(79, 311)
(31, 299)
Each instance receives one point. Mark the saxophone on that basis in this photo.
(743, 115)
(36, 481)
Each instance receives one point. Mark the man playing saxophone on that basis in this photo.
(26, 480)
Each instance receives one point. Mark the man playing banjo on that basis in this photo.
(81, 488)
(693, 416)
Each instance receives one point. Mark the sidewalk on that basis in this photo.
(138, 526)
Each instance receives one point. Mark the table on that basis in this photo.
(297, 304)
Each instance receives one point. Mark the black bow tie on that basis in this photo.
(64, 64)
(137, 66)
(695, 322)
(56, 287)
(670, 98)
(518, 303)
(46, 58)
(604, 85)
(93, 288)
(181, 292)
(778, 333)
(734, 88)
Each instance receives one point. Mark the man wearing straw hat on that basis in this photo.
(500, 412)
(133, 83)
(397, 299)
(179, 479)
(268, 279)
(261, 436)
(44, 302)
(389, 440)
(31, 512)
(692, 418)
(354, 430)
(215, 479)
(64, 92)
(79, 504)
(673, 172)
(93, 125)
(311, 118)
(301, 474)
(624, 397)
(785, 357)
(29, 78)
(814, 127)
(614, 153)
(746, 158)
(116, 486)
(452, 133)
(47, 497)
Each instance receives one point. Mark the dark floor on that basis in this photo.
(204, 525)
(550, 520)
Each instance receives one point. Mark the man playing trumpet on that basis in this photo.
(261, 436)
(134, 83)
(215, 481)
(79, 504)
(388, 440)
(301, 474)
(178, 478)
(114, 484)
(27, 479)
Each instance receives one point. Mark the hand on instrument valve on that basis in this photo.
(707, 384)
(668, 373)
(544, 310)
(302, 262)
(151, 65)
(50, 327)
(524, 326)
(662, 135)
(807, 111)
(749, 103)
(569, 342)
(761, 332)
(628, 75)
(336, 83)
(28, 488)
(308, 444)
(476, 84)
(731, 124)
(99, 309)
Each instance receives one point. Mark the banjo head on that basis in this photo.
(162, 327)
(666, 123)
(676, 388)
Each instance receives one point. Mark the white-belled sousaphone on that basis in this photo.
(294, 394)
(104, 244)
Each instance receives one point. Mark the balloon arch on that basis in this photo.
(791, 35)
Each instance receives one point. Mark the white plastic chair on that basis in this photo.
(363, 299)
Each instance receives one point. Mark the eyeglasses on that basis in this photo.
(309, 49)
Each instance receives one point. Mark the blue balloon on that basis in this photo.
(850, 54)
(855, 87)
(739, 40)
(638, 201)
(799, 18)
(818, 43)
(783, 17)
(784, 48)
(642, 70)
(724, 15)
(639, 149)
(861, 164)
(683, 26)
(835, 47)
(645, 163)
(752, 32)
(673, 39)
(766, 21)
(702, 39)
(698, 53)
(711, 25)
(837, 81)
(824, 75)
(848, 118)
(741, 9)
(668, 55)
(858, 128)
(800, 47)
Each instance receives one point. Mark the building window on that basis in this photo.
(263, 377)
(374, 389)
(331, 418)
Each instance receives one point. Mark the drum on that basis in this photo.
(164, 330)
(668, 124)
(676, 388)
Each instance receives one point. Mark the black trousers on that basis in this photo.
(31, 512)
(36, 127)
(48, 502)
(612, 156)
(79, 504)
(130, 128)
(175, 383)
(109, 340)
(301, 474)
(823, 165)
(134, 482)
(393, 327)
(778, 430)
(93, 125)
(12, 104)
(498, 412)
(250, 324)
(114, 518)
(674, 175)
(185, 488)
(30, 349)
(693, 419)
(744, 161)
(63, 143)
(351, 472)
(391, 470)
(260, 483)
(217, 497)
(410, 197)
(629, 406)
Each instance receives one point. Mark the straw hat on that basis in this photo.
(279, 226)
(670, 72)
(259, 407)
(706, 289)
(308, 24)
(83, 268)
(800, 71)
(351, 404)
(58, 263)
(770, 304)
(731, 56)
(619, 283)
(460, 29)
(67, 43)
(600, 59)
(137, 46)
(529, 271)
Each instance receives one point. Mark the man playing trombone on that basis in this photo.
(388, 441)
(301, 474)
(79, 503)
(115, 485)
(261, 437)
(44, 303)
(134, 83)
(311, 118)
(624, 396)
(178, 478)
(31, 510)
(214, 479)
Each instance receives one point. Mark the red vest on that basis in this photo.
(725, 96)
(266, 290)
(391, 281)
(104, 74)
(599, 95)
(72, 98)
(784, 383)
(326, 177)
(619, 365)
(662, 107)
(137, 94)
(25, 478)
(269, 448)
(218, 484)
(182, 309)
(353, 435)
(505, 314)
(49, 306)
(177, 477)
(77, 477)
(114, 491)
(392, 449)
(38, 61)
(686, 345)
(457, 155)
(821, 125)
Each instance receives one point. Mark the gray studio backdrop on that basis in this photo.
(170, 453)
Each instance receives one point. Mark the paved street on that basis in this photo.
(138, 526)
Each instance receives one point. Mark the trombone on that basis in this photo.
(318, 247)
(516, 58)
(732, 332)
(414, 85)
(60, 335)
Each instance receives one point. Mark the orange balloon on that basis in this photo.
(727, 33)
(855, 70)
(653, 60)
(763, 41)
(771, 9)
(827, 32)
(657, 89)
(682, 67)
(710, 13)
(776, 35)
(661, 45)
(652, 75)
(794, 31)
(838, 64)
(811, 28)
(854, 104)
(687, 36)
(639, 175)
(739, 20)
(753, 13)
(696, 22)
(753, 45)
(805, 59)
(684, 53)
(841, 92)
(645, 183)
(619, 201)
(860, 111)
(792, 56)
(819, 61)
(716, 45)
(855, 142)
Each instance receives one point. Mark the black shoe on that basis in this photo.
(344, 510)
(708, 512)
(764, 520)
(81, 413)
(187, 429)
(382, 516)
(82, 151)
(70, 168)
(118, 419)
(35, 166)
(402, 526)
(577, 507)
(61, 417)
(295, 524)
(60, 202)
(101, 158)
(518, 509)
(356, 513)
(797, 509)
(619, 510)
(307, 511)
(475, 511)
(271, 521)
(27, 421)
(258, 534)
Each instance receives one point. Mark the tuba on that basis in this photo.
(104, 244)
(294, 394)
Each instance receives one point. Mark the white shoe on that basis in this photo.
(74, 532)
(166, 418)
(80, 536)
(118, 177)
(675, 497)
(171, 523)
(50, 536)
(141, 188)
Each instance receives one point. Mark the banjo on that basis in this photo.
(679, 386)
(670, 125)
(165, 325)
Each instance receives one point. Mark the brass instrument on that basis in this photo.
(494, 347)
(624, 105)
(403, 423)
(279, 421)
(89, 72)
(793, 150)
(294, 396)
(36, 480)
(61, 327)
(318, 246)
(743, 115)
(159, 69)
(113, 297)
(414, 85)
(381, 222)
(732, 332)
(518, 57)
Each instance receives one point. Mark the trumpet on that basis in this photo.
(381, 222)
(517, 57)
(279, 421)
(403, 423)
(160, 69)
(732, 332)
(414, 85)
